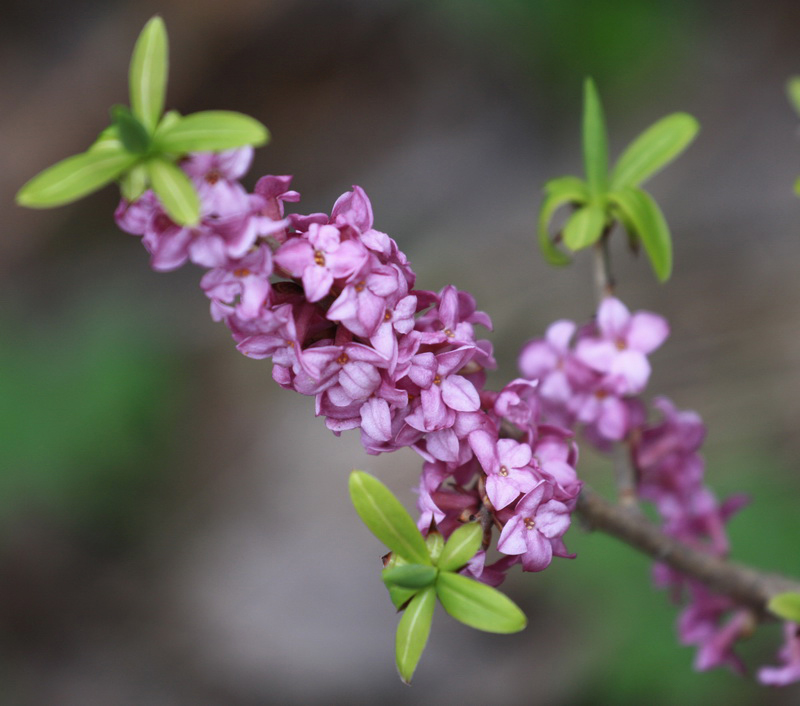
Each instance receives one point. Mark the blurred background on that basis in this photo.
(175, 528)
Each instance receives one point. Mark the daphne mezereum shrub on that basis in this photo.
(332, 301)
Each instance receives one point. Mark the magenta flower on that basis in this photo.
(789, 655)
(536, 523)
(506, 463)
(620, 349)
(320, 257)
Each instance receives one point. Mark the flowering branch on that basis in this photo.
(332, 301)
(741, 583)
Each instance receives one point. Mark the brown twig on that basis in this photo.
(745, 585)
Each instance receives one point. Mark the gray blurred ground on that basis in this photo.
(243, 576)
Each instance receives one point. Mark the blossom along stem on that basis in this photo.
(743, 584)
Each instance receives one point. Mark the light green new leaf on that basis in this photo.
(595, 142)
(147, 76)
(175, 191)
(461, 547)
(793, 91)
(638, 210)
(386, 518)
(410, 576)
(211, 130)
(134, 182)
(558, 192)
(413, 631)
(785, 606)
(435, 543)
(654, 149)
(130, 131)
(398, 596)
(75, 177)
(584, 227)
(478, 605)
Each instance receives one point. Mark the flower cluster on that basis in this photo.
(332, 301)
(592, 378)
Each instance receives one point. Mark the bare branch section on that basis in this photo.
(742, 583)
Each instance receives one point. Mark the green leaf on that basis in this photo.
(461, 547)
(398, 596)
(74, 177)
(130, 131)
(786, 606)
(211, 130)
(595, 145)
(134, 182)
(410, 576)
(413, 631)
(147, 76)
(654, 149)
(558, 193)
(435, 543)
(175, 190)
(478, 605)
(638, 210)
(584, 227)
(793, 91)
(386, 518)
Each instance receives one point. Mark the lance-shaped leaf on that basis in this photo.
(147, 76)
(175, 191)
(654, 149)
(134, 182)
(211, 130)
(413, 631)
(130, 131)
(584, 227)
(435, 543)
(785, 606)
(410, 576)
(399, 596)
(793, 91)
(638, 210)
(595, 141)
(478, 605)
(461, 547)
(386, 518)
(75, 177)
(558, 192)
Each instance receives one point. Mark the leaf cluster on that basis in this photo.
(606, 197)
(142, 145)
(422, 569)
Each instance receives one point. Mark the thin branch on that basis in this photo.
(743, 584)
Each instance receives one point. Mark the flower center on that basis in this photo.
(449, 333)
(621, 345)
(530, 523)
(241, 272)
(343, 359)
(503, 471)
(319, 258)
(213, 176)
(360, 286)
(437, 380)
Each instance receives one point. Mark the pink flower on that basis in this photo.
(506, 463)
(620, 349)
(789, 655)
(536, 524)
(319, 257)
